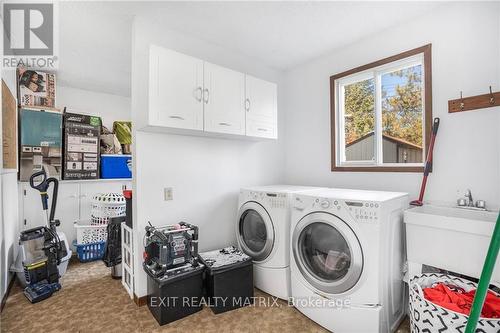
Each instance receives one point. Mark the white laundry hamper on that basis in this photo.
(426, 316)
(106, 206)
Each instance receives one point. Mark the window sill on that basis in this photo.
(419, 169)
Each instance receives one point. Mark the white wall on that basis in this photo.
(205, 173)
(465, 57)
(109, 107)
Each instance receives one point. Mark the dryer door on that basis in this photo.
(327, 253)
(255, 231)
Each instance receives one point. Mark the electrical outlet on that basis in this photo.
(168, 194)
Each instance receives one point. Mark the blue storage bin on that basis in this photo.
(90, 252)
(116, 166)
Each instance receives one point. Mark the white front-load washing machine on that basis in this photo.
(347, 256)
(263, 232)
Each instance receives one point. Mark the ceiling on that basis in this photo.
(95, 37)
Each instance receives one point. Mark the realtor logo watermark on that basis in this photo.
(29, 35)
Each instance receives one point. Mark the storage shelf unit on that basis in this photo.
(190, 96)
(73, 202)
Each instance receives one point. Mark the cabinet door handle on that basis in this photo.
(199, 90)
(206, 93)
(247, 105)
(224, 124)
(177, 117)
(262, 129)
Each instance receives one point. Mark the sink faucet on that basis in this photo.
(468, 195)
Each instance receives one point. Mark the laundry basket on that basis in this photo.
(89, 252)
(426, 316)
(106, 205)
(87, 233)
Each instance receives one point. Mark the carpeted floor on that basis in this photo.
(91, 301)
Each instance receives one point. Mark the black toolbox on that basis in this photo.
(175, 295)
(228, 279)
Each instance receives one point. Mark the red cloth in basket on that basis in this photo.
(456, 299)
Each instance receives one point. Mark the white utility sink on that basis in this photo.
(449, 238)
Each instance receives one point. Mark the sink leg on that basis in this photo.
(414, 269)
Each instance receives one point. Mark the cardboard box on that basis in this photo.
(40, 143)
(9, 128)
(36, 88)
(81, 146)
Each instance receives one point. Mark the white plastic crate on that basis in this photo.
(127, 260)
(105, 206)
(87, 233)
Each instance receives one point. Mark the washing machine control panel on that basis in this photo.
(364, 211)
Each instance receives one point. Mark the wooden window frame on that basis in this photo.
(427, 56)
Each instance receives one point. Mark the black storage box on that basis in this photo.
(175, 296)
(229, 279)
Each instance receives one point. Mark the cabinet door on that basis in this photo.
(261, 106)
(66, 209)
(175, 89)
(89, 190)
(224, 98)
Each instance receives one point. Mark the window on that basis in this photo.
(382, 114)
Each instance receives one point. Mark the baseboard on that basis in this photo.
(140, 301)
(7, 292)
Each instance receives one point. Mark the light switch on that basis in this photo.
(168, 194)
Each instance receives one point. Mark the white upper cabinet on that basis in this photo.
(192, 96)
(224, 98)
(261, 106)
(175, 89)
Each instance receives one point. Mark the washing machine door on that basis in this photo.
(327, 252)
(255, 231)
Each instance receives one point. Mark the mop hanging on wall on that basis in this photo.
(428, 164)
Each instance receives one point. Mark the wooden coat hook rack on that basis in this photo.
(489, 100)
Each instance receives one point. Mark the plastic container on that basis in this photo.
(90, 252)
(175, 297)
(87, 233)
(18, 268)
(426, 316)
(115, 166)
(105, 206)
(128, 207)
(229, 277)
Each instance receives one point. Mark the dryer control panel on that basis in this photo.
(363, 211)
(277, 200)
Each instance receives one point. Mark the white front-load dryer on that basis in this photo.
(263, 232)
(347, 256)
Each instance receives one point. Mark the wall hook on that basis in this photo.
(492, 98)
(462, 104)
